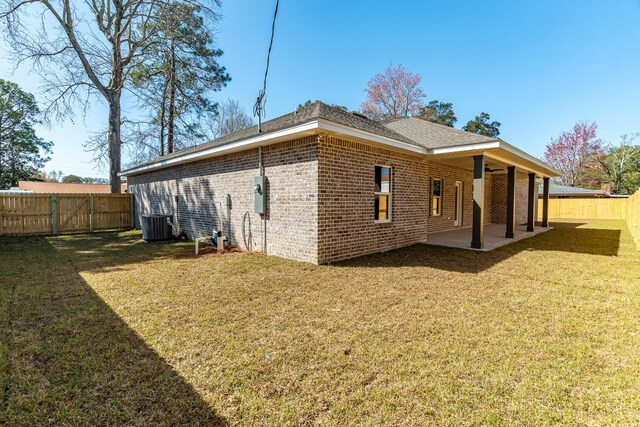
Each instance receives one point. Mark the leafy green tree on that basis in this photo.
(438, 112)
(483, 125)
(93, 180)
(72, 179)
(622, 165)
(178, 74)
(22, 152)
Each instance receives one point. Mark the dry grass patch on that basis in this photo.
(103, 329)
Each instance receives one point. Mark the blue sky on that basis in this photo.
(535, 66)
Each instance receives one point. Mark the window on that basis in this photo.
(383, 194)
(436, 197)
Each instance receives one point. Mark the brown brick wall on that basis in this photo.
(346, 200)
(198, 193)
(449, 175)
(320, 194)
(522, 200)
(499, 201)
(346, 224)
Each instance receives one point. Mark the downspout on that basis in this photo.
(229, 216)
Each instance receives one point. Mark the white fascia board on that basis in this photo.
(493, 145)
(518, 152)
(461, 148)
(244, 144)
(259, 140)
(372, 137)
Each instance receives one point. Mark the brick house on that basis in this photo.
(338, 185)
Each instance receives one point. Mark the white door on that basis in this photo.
(458, 202)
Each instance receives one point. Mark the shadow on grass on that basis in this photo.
(565, 237)
(71, 359)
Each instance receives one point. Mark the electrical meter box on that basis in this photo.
(259, 193)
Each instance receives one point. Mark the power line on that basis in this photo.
(261, 101)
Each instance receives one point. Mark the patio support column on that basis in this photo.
(545, 202)
(477, 230)
(532, 201)
(511, 202)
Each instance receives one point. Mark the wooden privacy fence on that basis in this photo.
(613, 208)
(627, 209)
(633, 217)
(22, 214)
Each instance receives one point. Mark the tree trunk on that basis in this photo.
(172, 96)
(114, 142)
(162, 123)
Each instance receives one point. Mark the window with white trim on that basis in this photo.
(436, 197)
(383, 194)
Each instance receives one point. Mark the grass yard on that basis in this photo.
(103, 329)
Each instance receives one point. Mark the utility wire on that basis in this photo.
(261, 101)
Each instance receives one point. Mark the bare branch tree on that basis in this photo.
(83, 49)
(231, 118)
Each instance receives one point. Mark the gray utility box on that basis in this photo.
(156, 228)
(259, 193)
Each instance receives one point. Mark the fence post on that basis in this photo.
(91, 213)
(54, 214)
(133, 212)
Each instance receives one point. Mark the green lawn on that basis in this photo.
(106, 330)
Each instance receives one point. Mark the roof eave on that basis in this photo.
(317, 125)
(537, 165)
(304, 129)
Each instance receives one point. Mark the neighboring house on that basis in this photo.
(62, 187)
(557, 191)
(15, 190)
(338, 185)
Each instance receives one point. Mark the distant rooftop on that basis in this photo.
(567, 189)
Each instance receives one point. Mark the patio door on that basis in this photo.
(458, 204)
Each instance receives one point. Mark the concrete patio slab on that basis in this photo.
(493, 237)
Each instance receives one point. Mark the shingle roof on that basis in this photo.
(317, 110)
(433, 135)
(407, 130)
(567, 189)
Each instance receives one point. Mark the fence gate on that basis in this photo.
(73, 212)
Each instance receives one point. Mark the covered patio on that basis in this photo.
(497, 221)
(494, 237)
